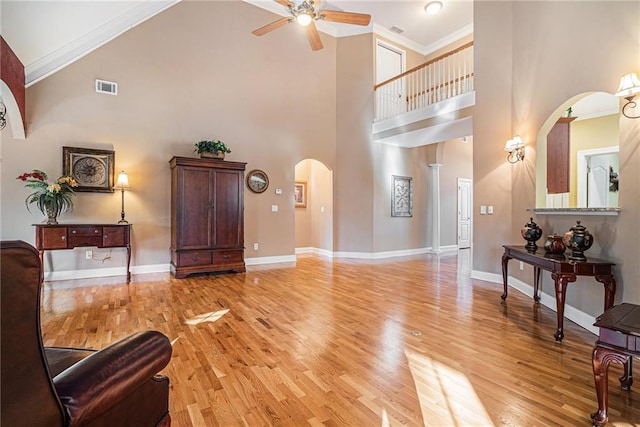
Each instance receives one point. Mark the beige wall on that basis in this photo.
(187, 74)
(457, 162)
(531, 59)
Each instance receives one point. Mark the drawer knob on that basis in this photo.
(95, 231)
(74, 232)
(64, 237)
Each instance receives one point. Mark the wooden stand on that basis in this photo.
(69, 236)
(618, 342)
(562, 271)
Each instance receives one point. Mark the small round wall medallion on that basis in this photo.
(257, 181)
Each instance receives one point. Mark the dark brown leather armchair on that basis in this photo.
(46, 386)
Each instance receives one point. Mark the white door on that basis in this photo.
(389, 63)
(465, 209)
(593, 167)
(598, 180)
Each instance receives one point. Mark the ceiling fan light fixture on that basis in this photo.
(304, 19)
(433, 7)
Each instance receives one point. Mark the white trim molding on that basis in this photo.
(91, 41)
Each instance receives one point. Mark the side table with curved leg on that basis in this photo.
(563, 271)
(618, 342)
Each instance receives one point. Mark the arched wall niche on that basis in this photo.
(594, 131)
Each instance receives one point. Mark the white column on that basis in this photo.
(434, 196)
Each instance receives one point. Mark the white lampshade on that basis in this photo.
(123, 180)
(433, 7)
(304, 19)
(629, 85)
(514, 144)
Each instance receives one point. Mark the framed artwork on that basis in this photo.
(402, 196)
(300, 194)
(93, 169)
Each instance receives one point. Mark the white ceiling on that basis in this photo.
(49, 34)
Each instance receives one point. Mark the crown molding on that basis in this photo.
(91, 41)
(445, 41)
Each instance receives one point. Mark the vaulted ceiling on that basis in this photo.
(48, 35)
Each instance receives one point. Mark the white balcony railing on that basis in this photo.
(444, 77)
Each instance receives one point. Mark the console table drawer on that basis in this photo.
(188, 259)
(114, 236)
(54, 238)
(85, 231)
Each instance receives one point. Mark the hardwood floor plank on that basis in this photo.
(403, 342)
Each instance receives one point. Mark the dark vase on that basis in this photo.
(531, 233)
(554, 245)
(578, 239)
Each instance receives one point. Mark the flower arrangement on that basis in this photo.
(52, 198)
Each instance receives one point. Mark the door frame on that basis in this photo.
(401, 52)
(470, 181)
(582, 169)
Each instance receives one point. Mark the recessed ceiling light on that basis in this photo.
(433, 7)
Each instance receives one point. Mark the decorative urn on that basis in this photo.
(554, 245)
(578, 239)
(531, 233)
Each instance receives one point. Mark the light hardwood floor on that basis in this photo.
(410, 341)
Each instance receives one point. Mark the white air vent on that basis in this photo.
(396, 30)
(103, 86)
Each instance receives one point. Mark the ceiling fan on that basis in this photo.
(306, 12)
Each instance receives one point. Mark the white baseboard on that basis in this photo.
(270, 260)
(579, 317)
(92, 273)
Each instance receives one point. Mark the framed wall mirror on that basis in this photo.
(577, 154)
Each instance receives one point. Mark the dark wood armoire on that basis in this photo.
(207, 216)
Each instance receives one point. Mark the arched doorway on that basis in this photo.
(314, 208)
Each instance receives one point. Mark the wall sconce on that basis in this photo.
(629, 86)
(515, 148)
(122, 183)
(3, 112)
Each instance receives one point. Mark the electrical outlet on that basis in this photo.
(255, 246)
(521, 266)
(274, 208)
(490, 210)
(88, 254)
(278, 191)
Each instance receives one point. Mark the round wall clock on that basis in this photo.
(257, 181)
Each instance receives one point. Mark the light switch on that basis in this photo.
(274, 208)
(490, 210)
(483, 210)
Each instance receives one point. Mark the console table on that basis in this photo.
(69, 236)
(618, 342)
(563, 271)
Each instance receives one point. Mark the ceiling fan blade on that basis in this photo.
(272, 26)
(285, 3)
(345, 17)
(314, 37)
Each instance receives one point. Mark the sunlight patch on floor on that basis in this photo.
(206, 317)
(446, 396)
